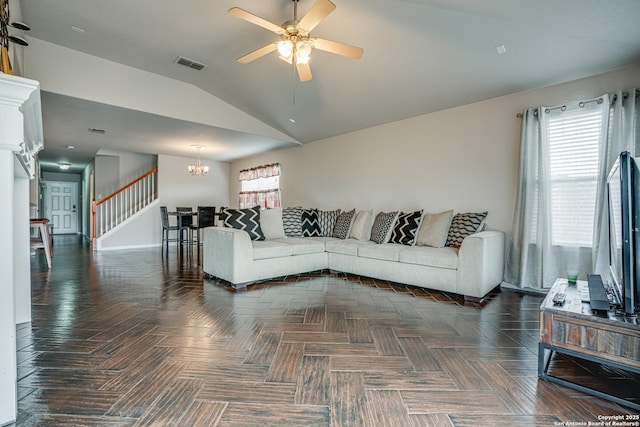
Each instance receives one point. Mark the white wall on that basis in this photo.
(107, 175)
(464, 158)
(177, 188)
(130, 165)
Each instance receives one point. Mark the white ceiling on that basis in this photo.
(419, 56)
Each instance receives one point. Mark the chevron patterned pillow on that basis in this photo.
(463, 225)
(292, 221)
(309, 222)
(245, 219)
(404, 232)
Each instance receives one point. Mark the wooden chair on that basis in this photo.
(42, 240)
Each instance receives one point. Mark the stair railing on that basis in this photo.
(117, 207)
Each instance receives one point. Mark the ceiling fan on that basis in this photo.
(296, 44)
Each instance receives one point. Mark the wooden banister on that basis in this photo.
(121, 204)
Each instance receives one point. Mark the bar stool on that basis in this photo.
(166, 228)
(185, 222)
(206, 218)
(42, 240)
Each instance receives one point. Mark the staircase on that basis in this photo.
(123, 204)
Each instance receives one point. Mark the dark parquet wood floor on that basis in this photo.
(129, 338)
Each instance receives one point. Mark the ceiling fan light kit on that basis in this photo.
(296, 44)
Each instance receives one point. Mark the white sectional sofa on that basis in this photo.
(473, 270)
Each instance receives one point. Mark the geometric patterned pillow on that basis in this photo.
(404, 232)
(343, 224)
(382, 226)
(309, 222)
(326, 221)
(292, 221)
(245, 219)
(463, 225)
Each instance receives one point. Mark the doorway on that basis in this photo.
(61, 206)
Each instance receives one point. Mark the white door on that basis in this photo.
(60, 206)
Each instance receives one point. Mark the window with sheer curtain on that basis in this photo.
(260, 186)
(561, 213)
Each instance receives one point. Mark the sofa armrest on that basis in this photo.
(226, 251)
(480, 263)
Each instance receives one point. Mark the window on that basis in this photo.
(260, 186)
(574, 140)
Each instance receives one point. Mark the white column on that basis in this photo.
(21, 248)
(8, 364)
(20, 140)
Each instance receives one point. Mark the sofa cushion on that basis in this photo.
(271, 223)
(382, 226)
(245, 219)
(346, 247)
(431, 257)
(302, 246)
(385, 252)
(404, 232)
(361, 228)
(309, 223)
(434, 229)
(343, 224)
(292, 221)
(463, 225)
(266, 249)
(326, 221)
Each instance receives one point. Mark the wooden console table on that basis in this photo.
(573, 329)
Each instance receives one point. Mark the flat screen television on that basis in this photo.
(623, 184)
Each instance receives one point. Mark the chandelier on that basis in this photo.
(198, 169)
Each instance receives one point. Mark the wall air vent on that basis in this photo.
(189, 63)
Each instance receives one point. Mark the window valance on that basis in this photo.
(263, 171)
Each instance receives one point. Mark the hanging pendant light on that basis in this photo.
(198, 169)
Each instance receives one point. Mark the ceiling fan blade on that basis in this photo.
(251, 56)
(255, 19)
(338, 48)
(304, 72)
(320, 10)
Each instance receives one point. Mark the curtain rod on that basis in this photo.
(583, 103)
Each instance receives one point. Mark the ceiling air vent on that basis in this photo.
(189, 63)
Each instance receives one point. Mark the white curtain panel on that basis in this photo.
(623, 135)
(534, 260)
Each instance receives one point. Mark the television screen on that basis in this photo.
(615, 229)
(624, 235)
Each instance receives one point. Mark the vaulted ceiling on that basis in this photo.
(420, 56)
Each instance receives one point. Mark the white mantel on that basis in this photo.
(21, 138)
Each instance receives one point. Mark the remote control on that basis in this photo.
(558, 299)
